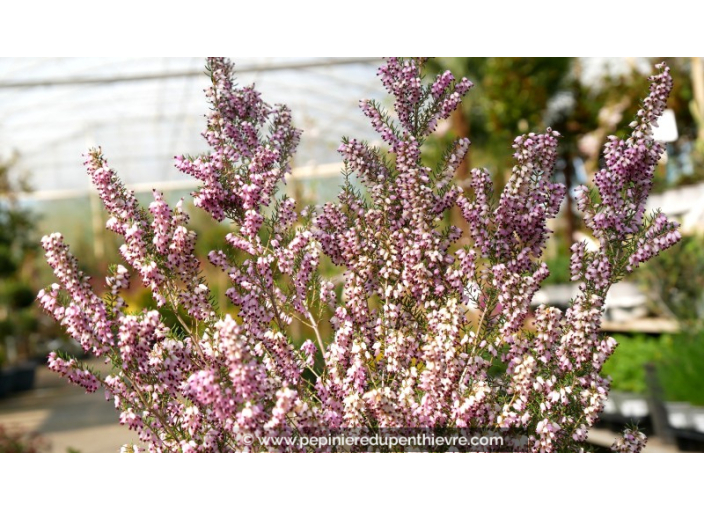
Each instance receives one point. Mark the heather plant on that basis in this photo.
(407, 351)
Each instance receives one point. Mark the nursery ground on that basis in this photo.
(65, 416)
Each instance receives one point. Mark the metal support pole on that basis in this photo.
(658, 413)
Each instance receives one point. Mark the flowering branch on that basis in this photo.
(406, 352)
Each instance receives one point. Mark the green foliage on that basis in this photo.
(559, 265)
(679, 360)
(511, 96)
(675, 281)
(681, 370)
(17, 246)
(7, 262)
(626, 365)
(19, 295)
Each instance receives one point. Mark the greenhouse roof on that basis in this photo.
(144, 111)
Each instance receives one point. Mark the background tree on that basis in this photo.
(583, 110)
(17, 250)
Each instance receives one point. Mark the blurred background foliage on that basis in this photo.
(18, 250)
(675, 281)
(678, 358)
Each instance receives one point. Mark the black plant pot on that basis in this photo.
(7, 381)
(24, 376)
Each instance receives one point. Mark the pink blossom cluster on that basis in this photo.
(242, 172)
(426, 332)
(632, 441)
(70, 370)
